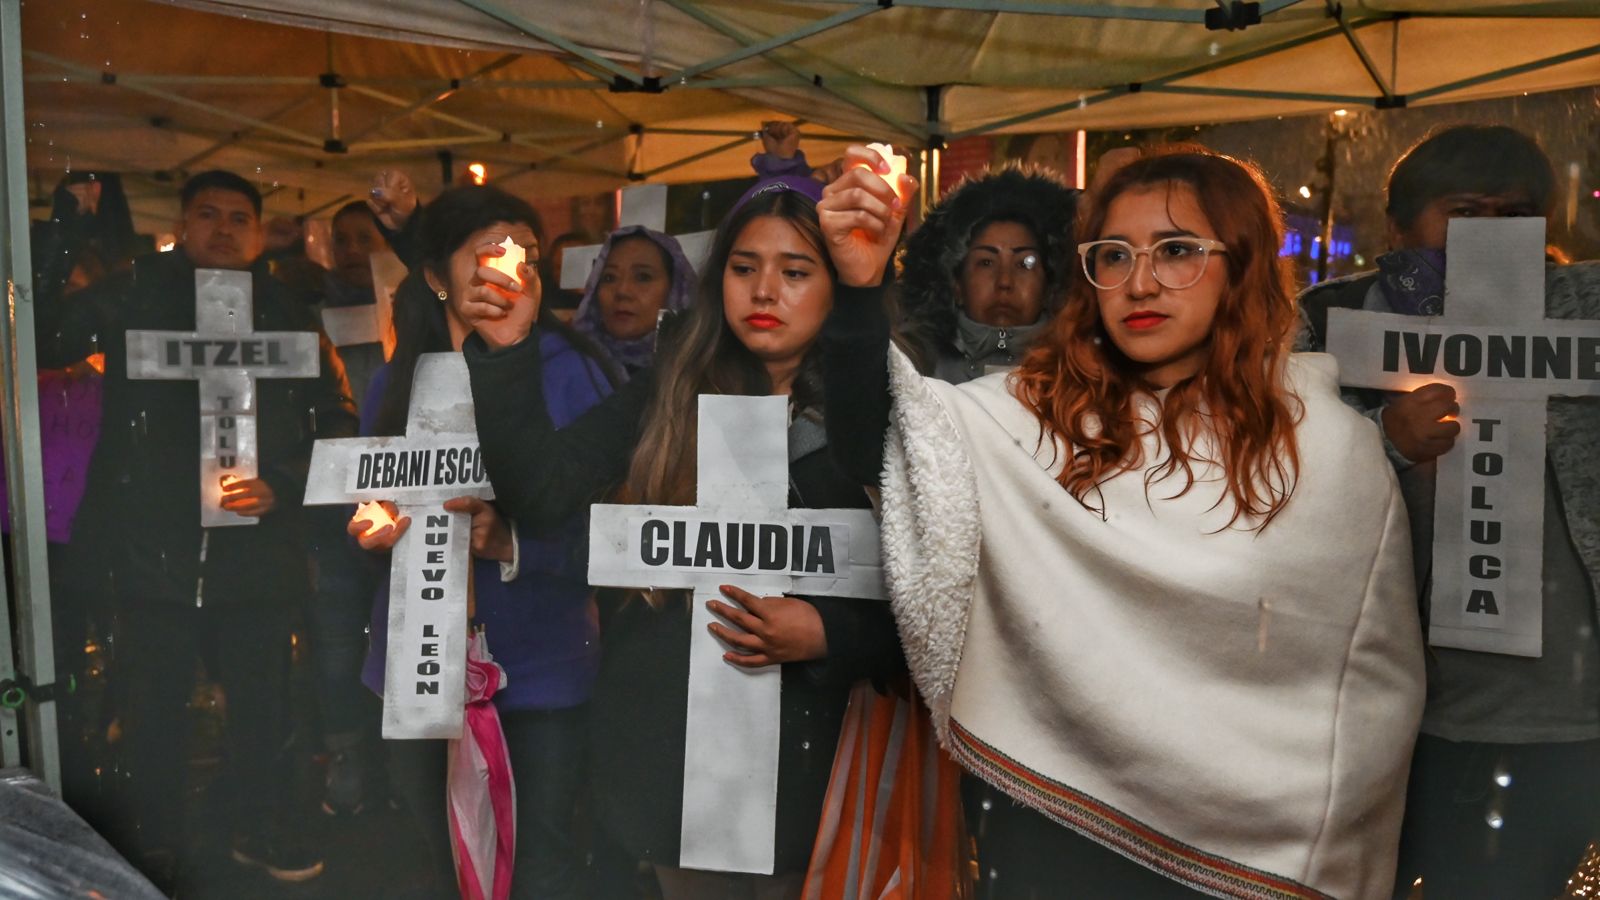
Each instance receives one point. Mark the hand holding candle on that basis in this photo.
(509, 264)
(375, 527)
(247, 496)
(897, 168)
(862, 212)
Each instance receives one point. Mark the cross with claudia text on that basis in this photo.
(1494, 345)
(438, 459)
(226, 355)
(741, 532)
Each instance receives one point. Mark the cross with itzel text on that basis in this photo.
(226, 355)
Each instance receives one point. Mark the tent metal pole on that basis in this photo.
(1074, 10)
(439, 96)
(544, 34)
(133, 84)
(1336, 11)
(238, 136)
(420, 107)
(571, 84)
(1250, 94)
(1079, 103)
(1510, 72)
(19, 419)
(730, 132)
(1077, 10)
(194, 80)
(453, 140)
(776, 41)
(801, 77)
(720, 148)
(1154, 83)
(574, 155)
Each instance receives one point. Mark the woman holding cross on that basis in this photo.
(752, 329)
(1155, 584)
(529, 587)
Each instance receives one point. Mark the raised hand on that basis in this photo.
(780, 140)
(392, 199)
(1421, 424)
(861, 217)
(501, 309)
(769, 629)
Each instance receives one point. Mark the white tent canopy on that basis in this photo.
(567, 97)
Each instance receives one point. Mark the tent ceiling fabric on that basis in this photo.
(536, 76)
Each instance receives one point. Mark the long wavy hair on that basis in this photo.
(419, 316)
(1236, 412)
(703, 356)
(700, 354)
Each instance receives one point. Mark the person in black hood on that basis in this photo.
(985, 271)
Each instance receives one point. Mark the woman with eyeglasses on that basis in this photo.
(1155, 584)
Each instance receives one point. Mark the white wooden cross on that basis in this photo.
(644, 205)
(1505, 359)
(438, 458)
(226, 355)
(740, 532)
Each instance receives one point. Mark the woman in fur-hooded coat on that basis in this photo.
(956, 346)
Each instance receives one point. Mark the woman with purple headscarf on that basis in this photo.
(639, 274)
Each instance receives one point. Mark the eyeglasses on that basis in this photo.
(1176, 262)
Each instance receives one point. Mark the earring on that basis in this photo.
(443, 296)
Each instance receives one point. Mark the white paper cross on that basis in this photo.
(369, 323)
(643, 205)
(226, 355)
(1505, 359)
(425, 661)
(740, 532)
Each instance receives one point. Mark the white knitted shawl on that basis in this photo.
(1233, 708)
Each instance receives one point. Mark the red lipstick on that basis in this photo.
(763, 321)
(1144, 319)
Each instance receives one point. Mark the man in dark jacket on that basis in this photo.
(184, 592)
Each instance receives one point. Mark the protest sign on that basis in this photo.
(1494, 345)
(740, 531)
(437, 459)
(226, 355)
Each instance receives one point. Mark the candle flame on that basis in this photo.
(515, 256)
(374, 515)
(897, 167)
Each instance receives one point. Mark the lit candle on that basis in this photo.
(897, 166)
(374, 515)
(515, 256)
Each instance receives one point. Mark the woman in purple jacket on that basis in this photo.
(531, 595)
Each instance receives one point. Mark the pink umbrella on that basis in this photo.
(482, 796)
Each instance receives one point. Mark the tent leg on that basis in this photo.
(19, 419)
